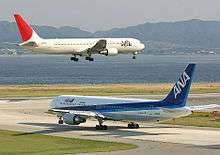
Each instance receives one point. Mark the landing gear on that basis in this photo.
(60, 120)
(133, 125)
(134, 55)
(100, 126)
(89, 58)
(74, 58)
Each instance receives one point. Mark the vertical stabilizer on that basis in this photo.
(179, 93)
(26, 32)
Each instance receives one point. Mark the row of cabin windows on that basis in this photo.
(82, 44)
(115, 106)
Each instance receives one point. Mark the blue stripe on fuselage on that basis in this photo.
(134, 106)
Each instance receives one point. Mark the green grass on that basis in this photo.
(16, 143)
(200, 119)
(99, 89)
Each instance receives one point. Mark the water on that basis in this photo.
(43, 69)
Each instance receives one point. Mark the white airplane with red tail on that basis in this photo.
(84, 47)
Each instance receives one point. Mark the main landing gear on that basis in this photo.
(74, 58)
(89, 58)
(133, 125)
(60, 120)
(100, 126)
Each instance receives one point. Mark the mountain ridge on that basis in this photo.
(193, 33)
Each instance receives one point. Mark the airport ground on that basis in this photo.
(13, 91)
(28, 113)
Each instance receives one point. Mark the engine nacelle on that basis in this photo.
(110, 52)
(73, 119)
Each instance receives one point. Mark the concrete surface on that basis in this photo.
(29, 116)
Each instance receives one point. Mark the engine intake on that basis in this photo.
(73, 119)
(110, 52)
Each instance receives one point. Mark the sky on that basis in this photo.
(97, 15)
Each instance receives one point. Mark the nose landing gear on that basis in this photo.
(134, 55)
(60, 120)
(133, 125)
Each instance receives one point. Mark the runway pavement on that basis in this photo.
(29, 115)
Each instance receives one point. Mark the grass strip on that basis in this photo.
(17, 143)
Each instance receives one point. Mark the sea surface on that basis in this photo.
(44, 69)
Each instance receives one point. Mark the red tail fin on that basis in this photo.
(25, 29)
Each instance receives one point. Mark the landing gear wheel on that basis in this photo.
(134, 55)
(136, 126)
(60, 121)
(74, 59)
(133, 125)
(101, 127)
(89, 58)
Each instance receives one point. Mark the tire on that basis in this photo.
(136, 126)
(60, 121)
(133, 126)
(105, 127)
(97, 127)
(101, 127)
(129, 126)
(74, 59)
(91, 59)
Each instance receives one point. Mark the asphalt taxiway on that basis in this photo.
(29, 115)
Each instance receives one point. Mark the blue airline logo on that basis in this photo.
(69, 99)
(178, 87)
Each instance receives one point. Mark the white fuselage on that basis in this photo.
(143, 114)
(77, 46)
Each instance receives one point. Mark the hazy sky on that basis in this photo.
(95, 15)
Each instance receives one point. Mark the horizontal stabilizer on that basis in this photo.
(203, 107)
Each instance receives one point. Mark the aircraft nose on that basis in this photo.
(141, 46)
(52, 103)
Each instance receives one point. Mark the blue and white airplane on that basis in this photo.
(74, 110)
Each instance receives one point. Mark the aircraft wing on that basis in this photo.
(80, 113)
(97, 48)
(203, 107)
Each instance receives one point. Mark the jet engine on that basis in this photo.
(73, 119)
(110, 52)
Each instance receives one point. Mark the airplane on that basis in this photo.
(73, 110)
(84, 47)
